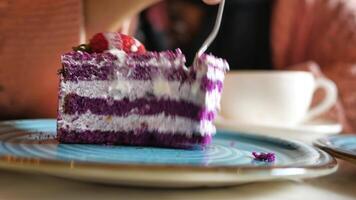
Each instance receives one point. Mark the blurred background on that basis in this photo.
(313, 35)
(243, 39)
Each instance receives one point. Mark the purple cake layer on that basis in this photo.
(140, 138)
(78, 66)
(75, 104)
(210, 85)
(89, 72)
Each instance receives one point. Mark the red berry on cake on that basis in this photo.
(99, 43)
(105, 41)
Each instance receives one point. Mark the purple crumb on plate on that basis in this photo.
(267, 157)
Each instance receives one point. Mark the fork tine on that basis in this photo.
(213, 34)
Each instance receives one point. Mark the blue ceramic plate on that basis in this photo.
(30, 145)
(342, 146)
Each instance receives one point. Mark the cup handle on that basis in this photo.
(328, 101)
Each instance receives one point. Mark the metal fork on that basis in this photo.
(213, 34)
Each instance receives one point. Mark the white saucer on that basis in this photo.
(306, 132)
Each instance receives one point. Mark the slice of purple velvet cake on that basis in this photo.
(148, 99)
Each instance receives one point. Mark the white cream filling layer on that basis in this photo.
(160, 123)
(134, 89)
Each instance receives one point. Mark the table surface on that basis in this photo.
(340, 185)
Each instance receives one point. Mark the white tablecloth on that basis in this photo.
(340, 185)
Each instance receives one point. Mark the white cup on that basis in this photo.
(274, 97)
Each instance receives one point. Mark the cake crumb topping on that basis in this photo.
(266, 157)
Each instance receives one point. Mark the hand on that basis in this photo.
(109, 15)
(211, 2)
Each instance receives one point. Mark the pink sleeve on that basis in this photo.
(319, 30)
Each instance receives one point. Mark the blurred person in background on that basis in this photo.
(255, 34)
